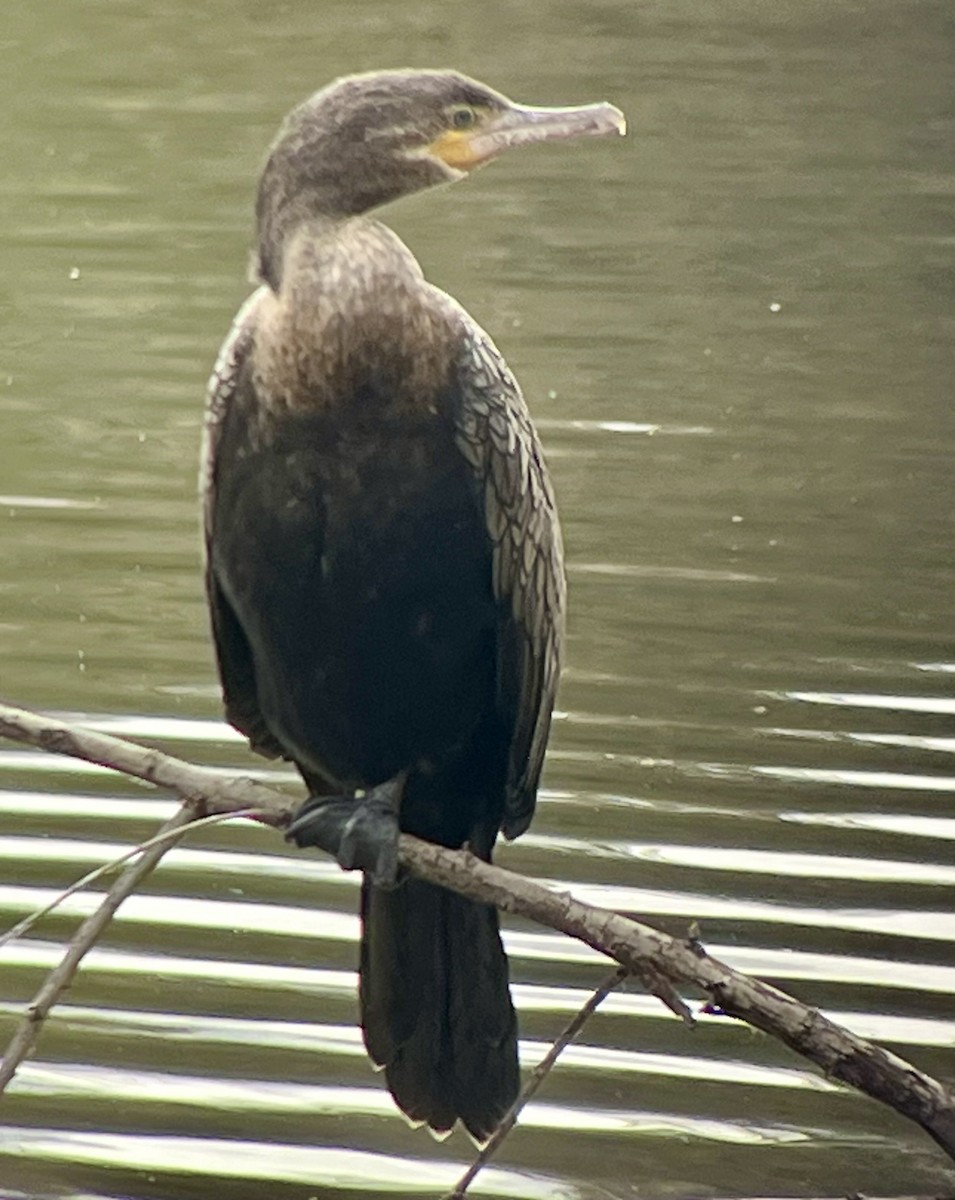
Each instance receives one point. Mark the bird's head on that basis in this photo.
(367, 139)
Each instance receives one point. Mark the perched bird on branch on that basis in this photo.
(383, 558)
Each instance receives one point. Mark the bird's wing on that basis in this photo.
(219, 393)
(494, 432)
(233, 654)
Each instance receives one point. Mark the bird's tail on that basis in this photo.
(436, 1008)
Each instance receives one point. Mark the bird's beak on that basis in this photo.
(519, 125)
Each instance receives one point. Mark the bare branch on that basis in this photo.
(210, 791)
(537, 1077)
(641, 949)
(160, 839)
(81, 943)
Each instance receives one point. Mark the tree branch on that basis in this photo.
(536, 1078)
(166, 838)
(60, 978)
(641, 949)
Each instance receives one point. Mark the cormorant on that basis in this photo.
(383, 559)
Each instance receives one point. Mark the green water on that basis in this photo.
(735, 330)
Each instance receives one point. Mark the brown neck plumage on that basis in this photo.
(352, 317)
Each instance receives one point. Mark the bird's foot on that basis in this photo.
(360, 832)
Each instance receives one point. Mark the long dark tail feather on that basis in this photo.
(436, 1008)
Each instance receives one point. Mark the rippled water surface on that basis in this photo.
(735, 329)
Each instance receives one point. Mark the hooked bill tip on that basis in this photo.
(616, 121)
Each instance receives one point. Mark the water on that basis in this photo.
(735, 331)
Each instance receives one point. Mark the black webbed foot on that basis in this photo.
(360, 832)
(320, 822)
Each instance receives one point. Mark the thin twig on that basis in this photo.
(83, 941)
(840, 1054)
(212, 791)
(171, 835)
(537, 1077)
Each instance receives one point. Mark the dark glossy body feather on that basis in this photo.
(355, 560)
(352, 572)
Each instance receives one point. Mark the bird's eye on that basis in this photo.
(463, 117)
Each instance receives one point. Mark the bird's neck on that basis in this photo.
(352, 316)
(281, 225)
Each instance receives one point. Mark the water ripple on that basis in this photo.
(272, 1162)
(298, 867)
(83, 1081)
(919, 704)
(529, 997)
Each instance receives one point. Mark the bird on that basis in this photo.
(383, 559)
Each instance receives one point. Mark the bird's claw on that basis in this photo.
(360, 833)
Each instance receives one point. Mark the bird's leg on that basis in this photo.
(359, 831)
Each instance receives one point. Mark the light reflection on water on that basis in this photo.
(914, 704)
(784, 965)
(602, 1071)
(931, 828)
(180, 912)
(700, 858)
(273, 1162)
(276, 1097)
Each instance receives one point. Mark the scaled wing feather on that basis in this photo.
(495, 434)
(236, 667)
